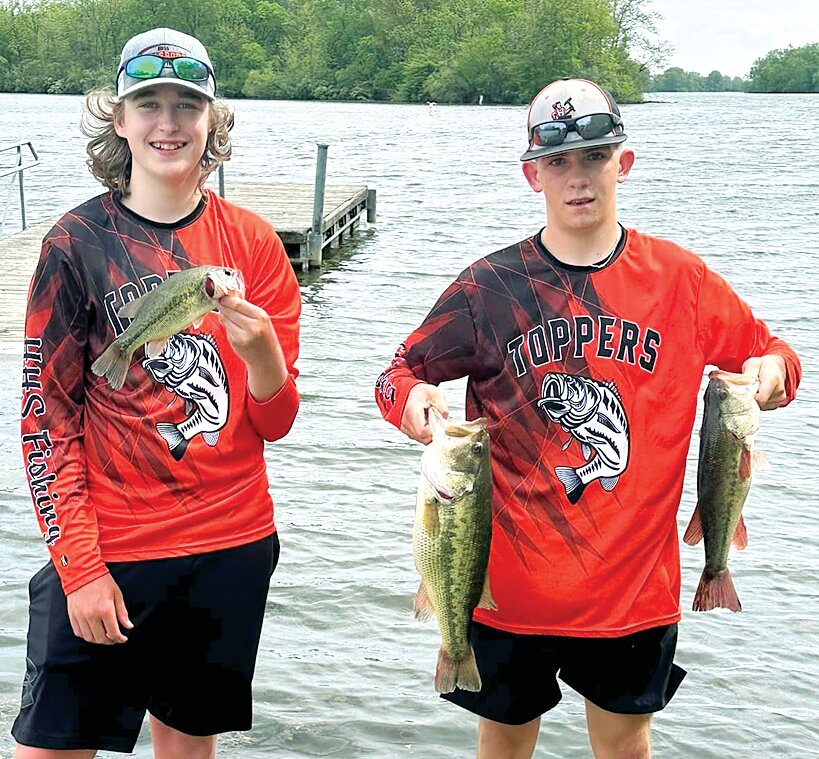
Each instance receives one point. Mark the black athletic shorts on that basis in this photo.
(634, 674)
(189, 660)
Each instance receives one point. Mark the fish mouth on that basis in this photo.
(443, 495)
(553, 406)
(734, 379)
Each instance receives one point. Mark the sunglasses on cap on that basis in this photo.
(150, 66)
(590, 127)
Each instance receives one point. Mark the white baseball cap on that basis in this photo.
(572, 102)
(167, 44)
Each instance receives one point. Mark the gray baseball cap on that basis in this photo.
(569, 100)
(167, 44)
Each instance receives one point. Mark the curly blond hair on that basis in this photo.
(109, 157)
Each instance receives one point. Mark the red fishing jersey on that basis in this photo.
(171, 464)
(589, 380)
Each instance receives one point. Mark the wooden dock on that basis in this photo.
(288, 207)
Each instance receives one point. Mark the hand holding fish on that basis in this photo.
(770, 369)
(415, 421)
(97, 610)
(251, 333)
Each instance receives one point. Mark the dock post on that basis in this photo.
(316, 236)
(370, 206)
(221, 178)
(22, 199)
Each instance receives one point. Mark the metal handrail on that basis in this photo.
(18, 170)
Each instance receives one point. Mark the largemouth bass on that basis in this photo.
(451, 536)
(180, 301)
(726, 461)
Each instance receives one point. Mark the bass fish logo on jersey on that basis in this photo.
(190, 367)
(592, 413)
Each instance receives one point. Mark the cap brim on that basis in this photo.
(146, 84)
(576, 144)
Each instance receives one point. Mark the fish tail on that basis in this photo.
(113, 364)
(174, 438)
(451, 672)
(716, 590)
(571, 481)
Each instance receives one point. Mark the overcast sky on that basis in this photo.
(729, 35)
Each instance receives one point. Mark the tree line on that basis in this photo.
(786, 70)
(452, 51)
(449, 51)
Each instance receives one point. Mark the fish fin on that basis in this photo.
(131, 309)
(745, 463)
(586, 450)
(461, 673)
(609, 483)
(177, 444)
(430, 520)
(759, 461)
(716, 590)
(112, 364)
(740, 539)
(211, 438)
(693, 533)
(574, 487)
(487, 602)
(154, 348)
(422, 606)
(198, 322)
(606, 422)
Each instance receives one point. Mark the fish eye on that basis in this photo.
(477, 448)
(228, 272)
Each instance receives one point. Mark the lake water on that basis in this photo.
(344, 670)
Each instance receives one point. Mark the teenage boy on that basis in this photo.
(162, 546)
(584, 346)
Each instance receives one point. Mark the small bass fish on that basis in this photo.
(726, 461)
(180, 301)
(451, 536)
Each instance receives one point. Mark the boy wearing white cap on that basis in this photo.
(584, 346)
(153, 498)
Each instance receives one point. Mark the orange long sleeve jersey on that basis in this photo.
(589, 380)
(172, 464)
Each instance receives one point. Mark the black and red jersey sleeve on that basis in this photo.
(53, 416)
(276, 290)
(443, 348)
(730, 333)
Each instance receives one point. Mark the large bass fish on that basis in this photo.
(453, 529)
(726, 461)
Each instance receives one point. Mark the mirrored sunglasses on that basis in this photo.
(150, 66)
(590, 127)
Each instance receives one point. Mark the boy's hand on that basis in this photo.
(248, 328)
(415, 421)
(96, 611)
(251, 333)
(772, 375)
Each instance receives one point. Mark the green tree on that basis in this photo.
(787, 70)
